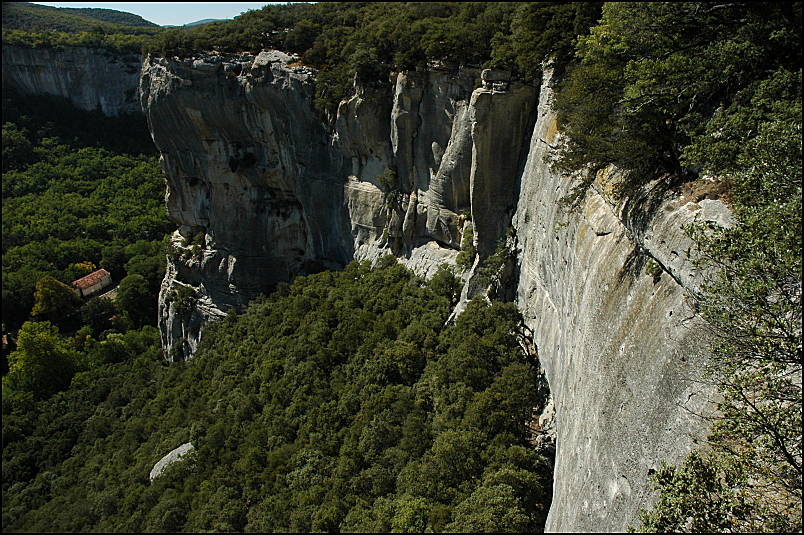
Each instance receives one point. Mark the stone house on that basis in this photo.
(92, 283)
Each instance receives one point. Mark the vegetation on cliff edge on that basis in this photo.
(370, 40)
(677, 88)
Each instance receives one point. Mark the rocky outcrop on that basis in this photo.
(252, 182)
(501, 124)
(91, 78)
(172, 457)
(263, 191)
(425, 130)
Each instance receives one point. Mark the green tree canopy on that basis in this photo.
(136, 299)
(42, 363)
(330, 405)
(494, 509)
(54, 300)
(371, 40)
(657, 80)
(17, 148)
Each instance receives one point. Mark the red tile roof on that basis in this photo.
(91, 279)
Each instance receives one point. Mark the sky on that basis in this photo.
(172, 13)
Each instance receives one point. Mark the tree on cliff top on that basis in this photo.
(658, 81)
(373, 39)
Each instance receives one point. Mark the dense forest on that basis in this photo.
(81, 191)
(29, 16)
(343, 401)
(339, 402)
(33, 25)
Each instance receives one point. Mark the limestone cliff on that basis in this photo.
(263, 191)
(91, 78)
(604, 290)
(250, 182)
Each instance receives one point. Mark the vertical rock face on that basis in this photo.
(252, 182)
(620, 346)
(92, 79)
(502, 122)
(263, 191)
(426, 131)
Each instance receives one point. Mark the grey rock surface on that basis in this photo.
(262, 191)
(252, 182)
(622, 350)
(501, 125)
(92, 79)
(170, 458)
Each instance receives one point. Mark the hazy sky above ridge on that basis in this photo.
(172, 13)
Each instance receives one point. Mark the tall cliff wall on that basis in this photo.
(90, 78)
(263, 191)
(620, 345)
